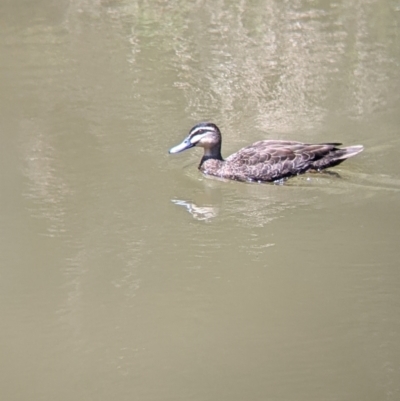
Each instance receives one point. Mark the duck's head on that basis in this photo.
(204, 135)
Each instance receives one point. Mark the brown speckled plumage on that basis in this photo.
(263, 161)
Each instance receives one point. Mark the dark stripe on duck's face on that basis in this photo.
(197, 134)
(202, 129)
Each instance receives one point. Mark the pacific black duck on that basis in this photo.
(263, 161)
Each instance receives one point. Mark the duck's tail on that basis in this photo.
(337, 156)
(350, 151)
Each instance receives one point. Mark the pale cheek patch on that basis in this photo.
(194, 139)
(207, 142)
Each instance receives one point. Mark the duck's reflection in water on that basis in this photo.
(201, 213)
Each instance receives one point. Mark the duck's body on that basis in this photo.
(263, 161)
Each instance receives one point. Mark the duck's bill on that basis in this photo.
(181, 147)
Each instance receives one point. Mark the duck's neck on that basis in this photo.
(213, 153)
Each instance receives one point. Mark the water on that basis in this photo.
(126, 274)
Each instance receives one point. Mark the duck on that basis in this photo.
(262, 161)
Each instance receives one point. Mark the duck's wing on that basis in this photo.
(272, 160)
(274, 152)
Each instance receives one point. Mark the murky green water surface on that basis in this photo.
(125, 274)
